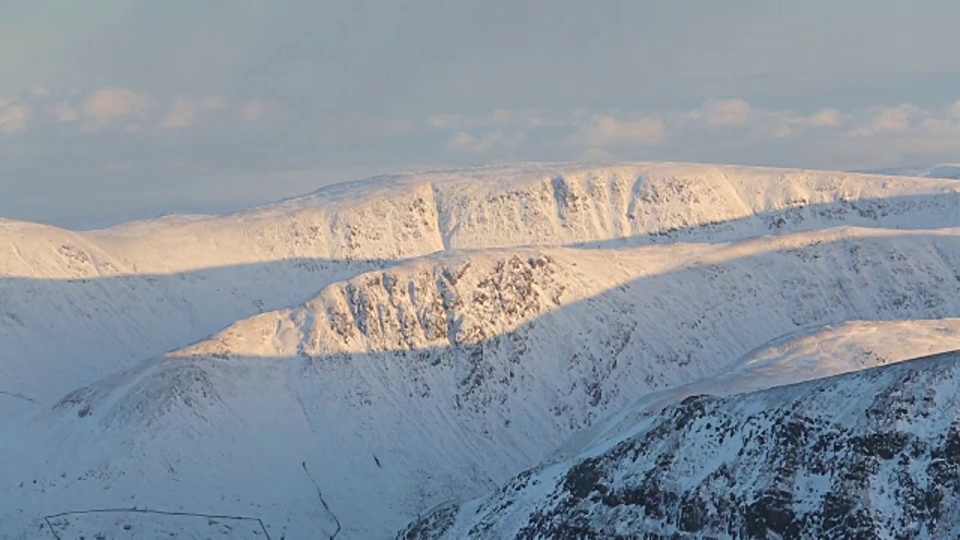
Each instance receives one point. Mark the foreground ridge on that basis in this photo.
(871, 454)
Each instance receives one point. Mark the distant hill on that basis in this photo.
(943, 170)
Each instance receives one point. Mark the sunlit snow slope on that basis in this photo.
(447, 331)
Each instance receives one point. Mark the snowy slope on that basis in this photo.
(494, 357)
(85, 304)
(806, 355)
(450, 329)
(871, 454)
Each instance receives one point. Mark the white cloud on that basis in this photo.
(64, 112)
(609, 130)
(182, 113)
(13, 118)
(213, 103)
(7, 100)
(596, 155)
(39, 91)
(717, 127)
(955, 110)
(185, 111)
(827, 118)
(726, 112)
(254, 110)
(445, 121)
(500, 118)
(466, 143)
(117, 103)
(889, 120)
(947, 125)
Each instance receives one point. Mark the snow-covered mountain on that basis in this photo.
(807, 355)
(871, 454)
(346, 360)
(110, 298)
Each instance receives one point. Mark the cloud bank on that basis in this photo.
(137, 147)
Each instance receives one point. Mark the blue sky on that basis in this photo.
(121, 109)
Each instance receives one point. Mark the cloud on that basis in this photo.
(182, 113)
(608, 130)
(887, 120)
(499, 118)
(116, 104)
(955, 110)
(13, 118)
(828, 118)
(64, 112)
(710, 132)
(445, 121)
(213, 103)
(254, 110)
(709, 121)
(464, 142)
(596, 155)
(726, 112)
(123, 110)
(185, 111)
(939, 126)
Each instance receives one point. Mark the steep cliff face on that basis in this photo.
(872, 454)
(666, 202)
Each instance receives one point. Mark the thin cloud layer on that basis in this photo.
(13, 116)
(463, 142)
(885, 120)
(714, 124)
(121, 110)
(607, 130)
(114, 103)
(182, 113)
(726, 112)
(186, 139)
(64, 112)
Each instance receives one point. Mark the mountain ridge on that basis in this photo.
(817, 458)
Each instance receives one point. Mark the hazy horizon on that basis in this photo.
(126, 110)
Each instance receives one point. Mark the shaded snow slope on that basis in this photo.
(805, 355)
(442, 377)
(871, 454)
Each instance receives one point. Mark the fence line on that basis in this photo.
(53, 530)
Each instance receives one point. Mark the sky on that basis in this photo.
(112, 110)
